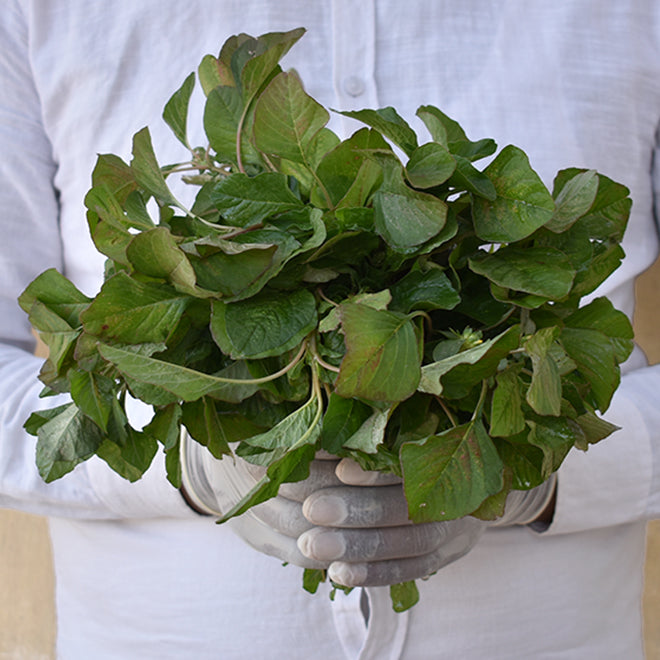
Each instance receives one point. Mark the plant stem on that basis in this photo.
(315, 354)
(266, 379)
(480, 403)
(448, 412)
(239, 131)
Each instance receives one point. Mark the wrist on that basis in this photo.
(533, 507)
(191, 503)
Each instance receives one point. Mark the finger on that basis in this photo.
(457, 543)
(349, 472)
(330, 544)
(381, 573)
(321, 475)
(283, 515)
(269, 541)
(356, 506)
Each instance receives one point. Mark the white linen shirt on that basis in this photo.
(138, 574)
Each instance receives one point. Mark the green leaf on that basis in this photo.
(185, 383)
(38, 418)
(523, 202)
(525, 462)
(371, 434)
(404, 595)
(595, 357)
(440, 126)
(300, 427)
(137, 213)
(541, 271)
(146, 169)
(342, 419)
(449, 475)
(223, 113)
(211, 428)
(424, 290)
(606, 259)
(348, 175)
(594, 429)
(94, 394)
(312, 578)
(443, 129)
(493, 507)
(554, 437)
(131, 456)
(286, 119)
(112, 173)
(173, 465)
(175, 112)
(165, 425)
(544, 392)
(608, 216)
(64, 441)
(263, 55)
(449, 133)
(58, 294)
(211, 74)
(109, 227)
(132, 312)
(430, 165)
(246, 201)
(601, 315)
(390, 124)
(155, 253)
(459, 373)
(267, 324)
(289, 448)
(382, 361)
(573, 200)
(55, 332)
(467, 177)
(237, 275)
(506, 415)
(405, 217)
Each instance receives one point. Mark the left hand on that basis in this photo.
(362, 529)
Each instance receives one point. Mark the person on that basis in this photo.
(139, 573)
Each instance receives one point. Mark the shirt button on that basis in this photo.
(354, 86)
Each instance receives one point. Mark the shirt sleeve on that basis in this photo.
(30, 244)
(618, 480)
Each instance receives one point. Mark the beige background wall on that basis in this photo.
(27, 620)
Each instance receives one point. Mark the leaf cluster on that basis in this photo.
(379, 297)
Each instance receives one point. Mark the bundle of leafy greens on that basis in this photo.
(418, 315)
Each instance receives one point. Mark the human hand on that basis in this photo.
(362, 529)
(213, 486)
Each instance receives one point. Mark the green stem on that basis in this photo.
(270, 377)
(239, 132)
(319, 183)
(448, 412)
(482, 399)
(315, 354)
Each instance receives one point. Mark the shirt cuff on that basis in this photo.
(610, 483)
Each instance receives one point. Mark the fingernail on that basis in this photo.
(349, 575)
(322, 509)
(322, 544)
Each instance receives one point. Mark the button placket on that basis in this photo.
(354, 40)
(354, 85)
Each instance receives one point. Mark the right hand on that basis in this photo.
(363, 532)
